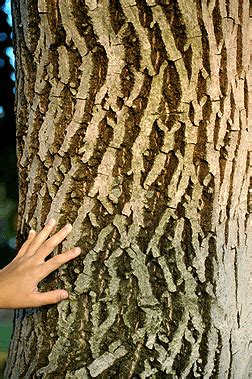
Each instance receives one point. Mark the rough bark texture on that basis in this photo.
(132, 123)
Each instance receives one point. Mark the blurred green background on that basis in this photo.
(8, 174)
(5, 335)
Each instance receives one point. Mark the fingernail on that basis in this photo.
(51, 222)
(31, 232)
(68, 226)
(64, 295)
(77, 250)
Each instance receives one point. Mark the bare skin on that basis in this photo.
(19, 279)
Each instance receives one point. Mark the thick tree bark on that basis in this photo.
(132, 123)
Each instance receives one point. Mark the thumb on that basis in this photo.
(51, 297)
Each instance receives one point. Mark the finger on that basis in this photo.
(42, 236)
(32, 234)
(50, 297)
(53, 242)
(57, 261)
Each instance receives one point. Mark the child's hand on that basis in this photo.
(19, 279)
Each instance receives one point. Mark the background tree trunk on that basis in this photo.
(132, 123)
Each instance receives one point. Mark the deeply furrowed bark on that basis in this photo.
(133, 124)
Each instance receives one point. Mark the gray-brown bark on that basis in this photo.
(133, 125)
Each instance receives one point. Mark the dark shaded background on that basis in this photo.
(8, 174)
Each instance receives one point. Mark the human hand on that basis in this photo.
(19, 279)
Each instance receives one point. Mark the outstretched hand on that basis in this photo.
(19, 279)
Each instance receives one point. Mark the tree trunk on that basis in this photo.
(132, 124)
